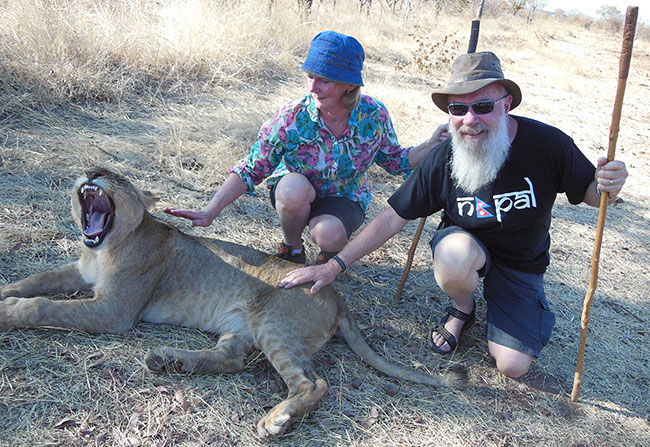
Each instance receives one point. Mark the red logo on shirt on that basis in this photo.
(481, 209)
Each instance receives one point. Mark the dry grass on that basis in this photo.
(172, 93)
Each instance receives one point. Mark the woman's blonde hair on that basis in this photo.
(352, 99)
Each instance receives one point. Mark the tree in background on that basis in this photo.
(364, 5)
(611, 15)
(609, 12)
(516, 6)
(533, 6)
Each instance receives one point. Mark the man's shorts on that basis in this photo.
(518, 315)
(347, 211)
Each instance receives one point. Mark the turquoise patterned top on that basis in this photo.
(297, 140)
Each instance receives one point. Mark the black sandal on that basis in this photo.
(445, 334)
(286, 253)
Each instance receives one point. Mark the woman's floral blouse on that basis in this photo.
(296, 140)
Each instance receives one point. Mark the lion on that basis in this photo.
(144, 269)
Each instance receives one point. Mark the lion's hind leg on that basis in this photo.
(227, 356)
(306, 389)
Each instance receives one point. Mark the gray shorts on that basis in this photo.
(347, 211)
(518, 315)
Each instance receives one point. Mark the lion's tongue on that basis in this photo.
(95, 224)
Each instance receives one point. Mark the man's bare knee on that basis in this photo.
(458, 256)
(513, 370)
(510, 362)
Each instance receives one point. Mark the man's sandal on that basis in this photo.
(445, 334)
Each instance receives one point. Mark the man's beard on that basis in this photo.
(475, 164)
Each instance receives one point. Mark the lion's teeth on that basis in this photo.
(87, 187)
(96, 239)
(101, 192)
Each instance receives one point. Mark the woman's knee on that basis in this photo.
(294, 190)
(328, 232)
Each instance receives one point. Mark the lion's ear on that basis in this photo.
(148, 199)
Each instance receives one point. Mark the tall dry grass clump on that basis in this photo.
(106, 50)
(115, 50)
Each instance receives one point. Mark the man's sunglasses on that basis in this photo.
(480, 107)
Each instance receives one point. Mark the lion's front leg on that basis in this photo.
(90, 315)
(59, 280)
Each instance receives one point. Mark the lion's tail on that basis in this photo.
(352, 335)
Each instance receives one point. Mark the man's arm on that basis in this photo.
(373, 236)
(610, 178)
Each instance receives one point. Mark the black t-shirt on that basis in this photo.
(511, 215)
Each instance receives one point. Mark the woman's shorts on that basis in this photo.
(347, 211)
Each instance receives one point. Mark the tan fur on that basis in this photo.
(148, 270)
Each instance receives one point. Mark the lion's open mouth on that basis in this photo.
(97, 215)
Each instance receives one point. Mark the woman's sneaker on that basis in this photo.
(286, 253)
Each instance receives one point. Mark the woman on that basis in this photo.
(315, 153)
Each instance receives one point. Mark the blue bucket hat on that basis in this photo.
(336, 57)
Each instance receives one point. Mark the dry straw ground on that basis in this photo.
(172, 93)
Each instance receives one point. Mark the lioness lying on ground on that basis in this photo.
(144, 269)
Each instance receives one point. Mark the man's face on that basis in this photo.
(480, 142)
(475, 128)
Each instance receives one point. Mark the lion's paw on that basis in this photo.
(6, 292)
(165, 360)
(274, 424)
(6, 312)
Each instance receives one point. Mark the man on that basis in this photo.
(495, 180)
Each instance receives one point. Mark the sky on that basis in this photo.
(590, 7)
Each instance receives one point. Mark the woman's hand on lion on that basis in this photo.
(322, 275)
(440, 134)
(199, 218)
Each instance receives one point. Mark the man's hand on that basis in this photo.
(610, 176)
(322, 275)
(199, 218)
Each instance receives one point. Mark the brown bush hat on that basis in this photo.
(471, 72)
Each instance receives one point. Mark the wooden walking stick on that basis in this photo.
(473, 37)
(473, 42)
(624, 68)
(409, 259)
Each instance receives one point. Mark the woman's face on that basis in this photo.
(327, 94)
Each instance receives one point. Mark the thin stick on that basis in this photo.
(409, 259)
(476, 26)
(624, 68)
(473, 42)
(473, 36)
(479, 11)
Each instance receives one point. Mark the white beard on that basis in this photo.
(476, 164)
